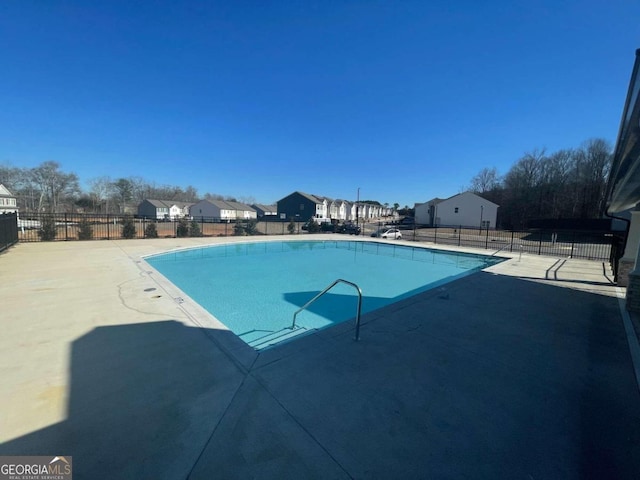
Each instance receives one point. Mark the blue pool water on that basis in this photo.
(255, 288)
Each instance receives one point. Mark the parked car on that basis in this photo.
(407, 223)
(328, 227)
(387, 233)
(349, 228)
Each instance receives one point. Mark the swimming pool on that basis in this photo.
(255, 288)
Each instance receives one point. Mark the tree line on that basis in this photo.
(47, 188)
(569, 183)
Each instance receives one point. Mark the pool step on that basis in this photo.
(276, 337)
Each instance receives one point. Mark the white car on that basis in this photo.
(388, 233)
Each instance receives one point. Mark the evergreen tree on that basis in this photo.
(194, 229)
(313, 227)
(85, 230)
(251, 228)
(128, 227)
(239, 230)
(183, 228)
(151, 231)
(48, 229)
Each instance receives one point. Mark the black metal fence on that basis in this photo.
(591, 245)
(8, 230)
(76, 226)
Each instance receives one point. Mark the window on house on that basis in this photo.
(302, 206)
(456, 210)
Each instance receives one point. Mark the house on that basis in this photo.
(243, 211)
(302, 206)
(343, 210)
(338, 210)
(8, 203)
(269, 211)
(375, 211)
(353, 212)
(464, 209)
(358, 211)
(163, 209)
(222, 210)
(365, 211)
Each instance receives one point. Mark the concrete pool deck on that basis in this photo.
(520, 371)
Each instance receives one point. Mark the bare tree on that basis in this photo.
(10, 176)
(599, 159)
(190, 194)
(101, 192)
(213, 196)
(486, 180)
(555, 180)
(54, 185)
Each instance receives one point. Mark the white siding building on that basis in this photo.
(213, 209)
(465, 209)
(343, 210)
(8, 203)
(163, 209)
(222, 210)
(338, 210)
(243, 211)
(322, 207)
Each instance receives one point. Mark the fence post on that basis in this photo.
(435, 235)
(66, 228)
(511, 247)
(108, 223)
(540, 242)
(459, 234)
(486, 242)
(573, 242)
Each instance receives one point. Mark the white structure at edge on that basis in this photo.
(464, 209)
(8, 203)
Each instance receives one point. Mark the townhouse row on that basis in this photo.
(298, 206)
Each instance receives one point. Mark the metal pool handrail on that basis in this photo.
(505, 246)
(340, 280)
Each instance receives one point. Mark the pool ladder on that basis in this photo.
(340, 280)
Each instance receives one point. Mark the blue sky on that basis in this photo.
(406, 100)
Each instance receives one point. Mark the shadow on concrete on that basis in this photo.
(570, 280)
(503, 378)
(143, 401)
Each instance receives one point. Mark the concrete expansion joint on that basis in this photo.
(300, 424)
(217, 425)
